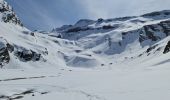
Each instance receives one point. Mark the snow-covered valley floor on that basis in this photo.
(150, 83)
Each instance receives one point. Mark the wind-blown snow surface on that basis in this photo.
(119, 59)
(150, 83)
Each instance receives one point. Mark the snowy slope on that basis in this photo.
(26, 48)
(93, 44)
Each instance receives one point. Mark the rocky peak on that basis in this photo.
(7, 14)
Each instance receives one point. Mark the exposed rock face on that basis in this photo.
(10, 47)
(4, 55)
(21, 53)
(108, 27)
(151, 48)
(166, 27)
(167, 48)
(27, 55)
(150, 32)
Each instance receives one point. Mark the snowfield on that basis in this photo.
(150, 83)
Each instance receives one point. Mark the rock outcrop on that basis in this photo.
(4, 54)
(167, 48)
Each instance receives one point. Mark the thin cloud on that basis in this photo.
(47, 14)
(115, 8)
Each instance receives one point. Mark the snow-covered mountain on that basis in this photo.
(120, 40)
(104, 42)
(22, 48)
(121, 58)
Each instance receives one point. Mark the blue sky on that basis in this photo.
(47, 14)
